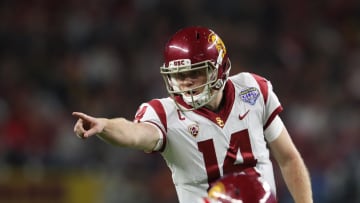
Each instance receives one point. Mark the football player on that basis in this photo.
(212, 124)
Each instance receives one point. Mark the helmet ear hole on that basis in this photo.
(197, 35)
(237, 192)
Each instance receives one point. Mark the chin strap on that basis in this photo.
(218, 84)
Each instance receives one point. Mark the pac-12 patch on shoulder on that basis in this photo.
(250, 95)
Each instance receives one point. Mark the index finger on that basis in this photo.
(83, 116)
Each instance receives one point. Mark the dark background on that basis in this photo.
(103, 58)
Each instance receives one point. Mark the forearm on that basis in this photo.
(125, 133)
(297, 179)
(115, 132)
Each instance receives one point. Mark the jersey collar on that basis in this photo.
(224, 111)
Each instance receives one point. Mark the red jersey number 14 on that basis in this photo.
(238, 141)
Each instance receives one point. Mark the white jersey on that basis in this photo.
(200, 146)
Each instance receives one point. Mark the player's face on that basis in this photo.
(190, 80)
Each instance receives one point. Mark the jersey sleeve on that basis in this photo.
(272, 107)
(274, 129)
(153, 113)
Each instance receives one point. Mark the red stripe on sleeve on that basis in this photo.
(272, 116)
(163, 133)
(160, 111)
(262, 82)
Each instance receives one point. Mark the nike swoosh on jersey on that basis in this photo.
(241, 117)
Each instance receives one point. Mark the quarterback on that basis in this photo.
(212, 124)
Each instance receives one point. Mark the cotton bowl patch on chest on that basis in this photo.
(250, 95)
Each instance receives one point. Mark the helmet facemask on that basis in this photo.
(191, 96)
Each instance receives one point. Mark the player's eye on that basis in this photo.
(190, 74)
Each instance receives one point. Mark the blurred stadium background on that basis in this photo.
(103, 57)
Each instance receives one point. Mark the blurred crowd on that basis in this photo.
(102, 57)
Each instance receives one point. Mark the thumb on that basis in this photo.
(92, 131)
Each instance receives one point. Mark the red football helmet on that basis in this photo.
(239, 187)
(195, 48)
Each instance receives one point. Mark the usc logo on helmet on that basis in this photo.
(219, 44)
(180, 62)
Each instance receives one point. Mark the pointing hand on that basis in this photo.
(87, 126)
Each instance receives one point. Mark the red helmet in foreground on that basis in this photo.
(236, 188)
(195, 49)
